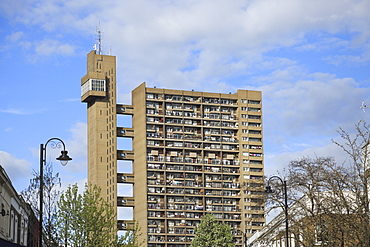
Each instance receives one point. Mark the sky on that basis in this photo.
(310, 59)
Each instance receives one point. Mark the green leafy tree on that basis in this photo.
(86, 219)
(211, 233)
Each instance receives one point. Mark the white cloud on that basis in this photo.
(276, 163)
(18, 170)
(217, 43)
(313, 106)
(51, 47)
(348, 59)
(15, 36)
(188, 42)
(77, 149)
(19, 111)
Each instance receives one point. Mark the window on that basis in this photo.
(255, 139)
(254, 102)
(255, 162)
(255, 147)
(254, 109)
(255, 169)
(254, 124)
(243, 101)
(253, 117)
(255, 132)
(98, 85)
(93, 85)
(255, 154)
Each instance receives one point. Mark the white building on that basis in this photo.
(14, 214)
(303, 216)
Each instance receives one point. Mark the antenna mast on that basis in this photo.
(99, 48)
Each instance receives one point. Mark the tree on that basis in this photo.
(88, 220)
(51, 191)
(210, 232)
(329, 203)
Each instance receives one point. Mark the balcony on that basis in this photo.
(125, 132)
(93, 88)
(125, 178)
(125, 155)
(125, 224)
(125, 109)
(125, 201)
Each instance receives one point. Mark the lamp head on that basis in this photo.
(64, 158)
(268, 189)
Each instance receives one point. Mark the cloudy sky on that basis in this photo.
(310, 58)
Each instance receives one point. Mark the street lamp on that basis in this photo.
(63, 158)
(245, 239)
(269, 190)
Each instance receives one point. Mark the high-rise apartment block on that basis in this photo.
(192, 153)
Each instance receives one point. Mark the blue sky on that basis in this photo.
(310, 58)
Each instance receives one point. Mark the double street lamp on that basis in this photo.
(269, 190)
(63, 158)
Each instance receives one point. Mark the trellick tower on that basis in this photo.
(192, 153)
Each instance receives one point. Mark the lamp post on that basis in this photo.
(269, 190)
(63, 158)
(245, 239)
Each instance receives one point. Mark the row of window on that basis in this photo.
(199, 122)
(185, 144)
(191, 191)
(186, 167)
(197, 130)
(198, 115)
(199, 99)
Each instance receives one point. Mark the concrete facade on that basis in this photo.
(192, 153)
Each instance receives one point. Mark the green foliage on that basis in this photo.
(86, 219)
(211, 233)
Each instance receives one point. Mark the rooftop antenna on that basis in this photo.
(363, 106)
(99, 48)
